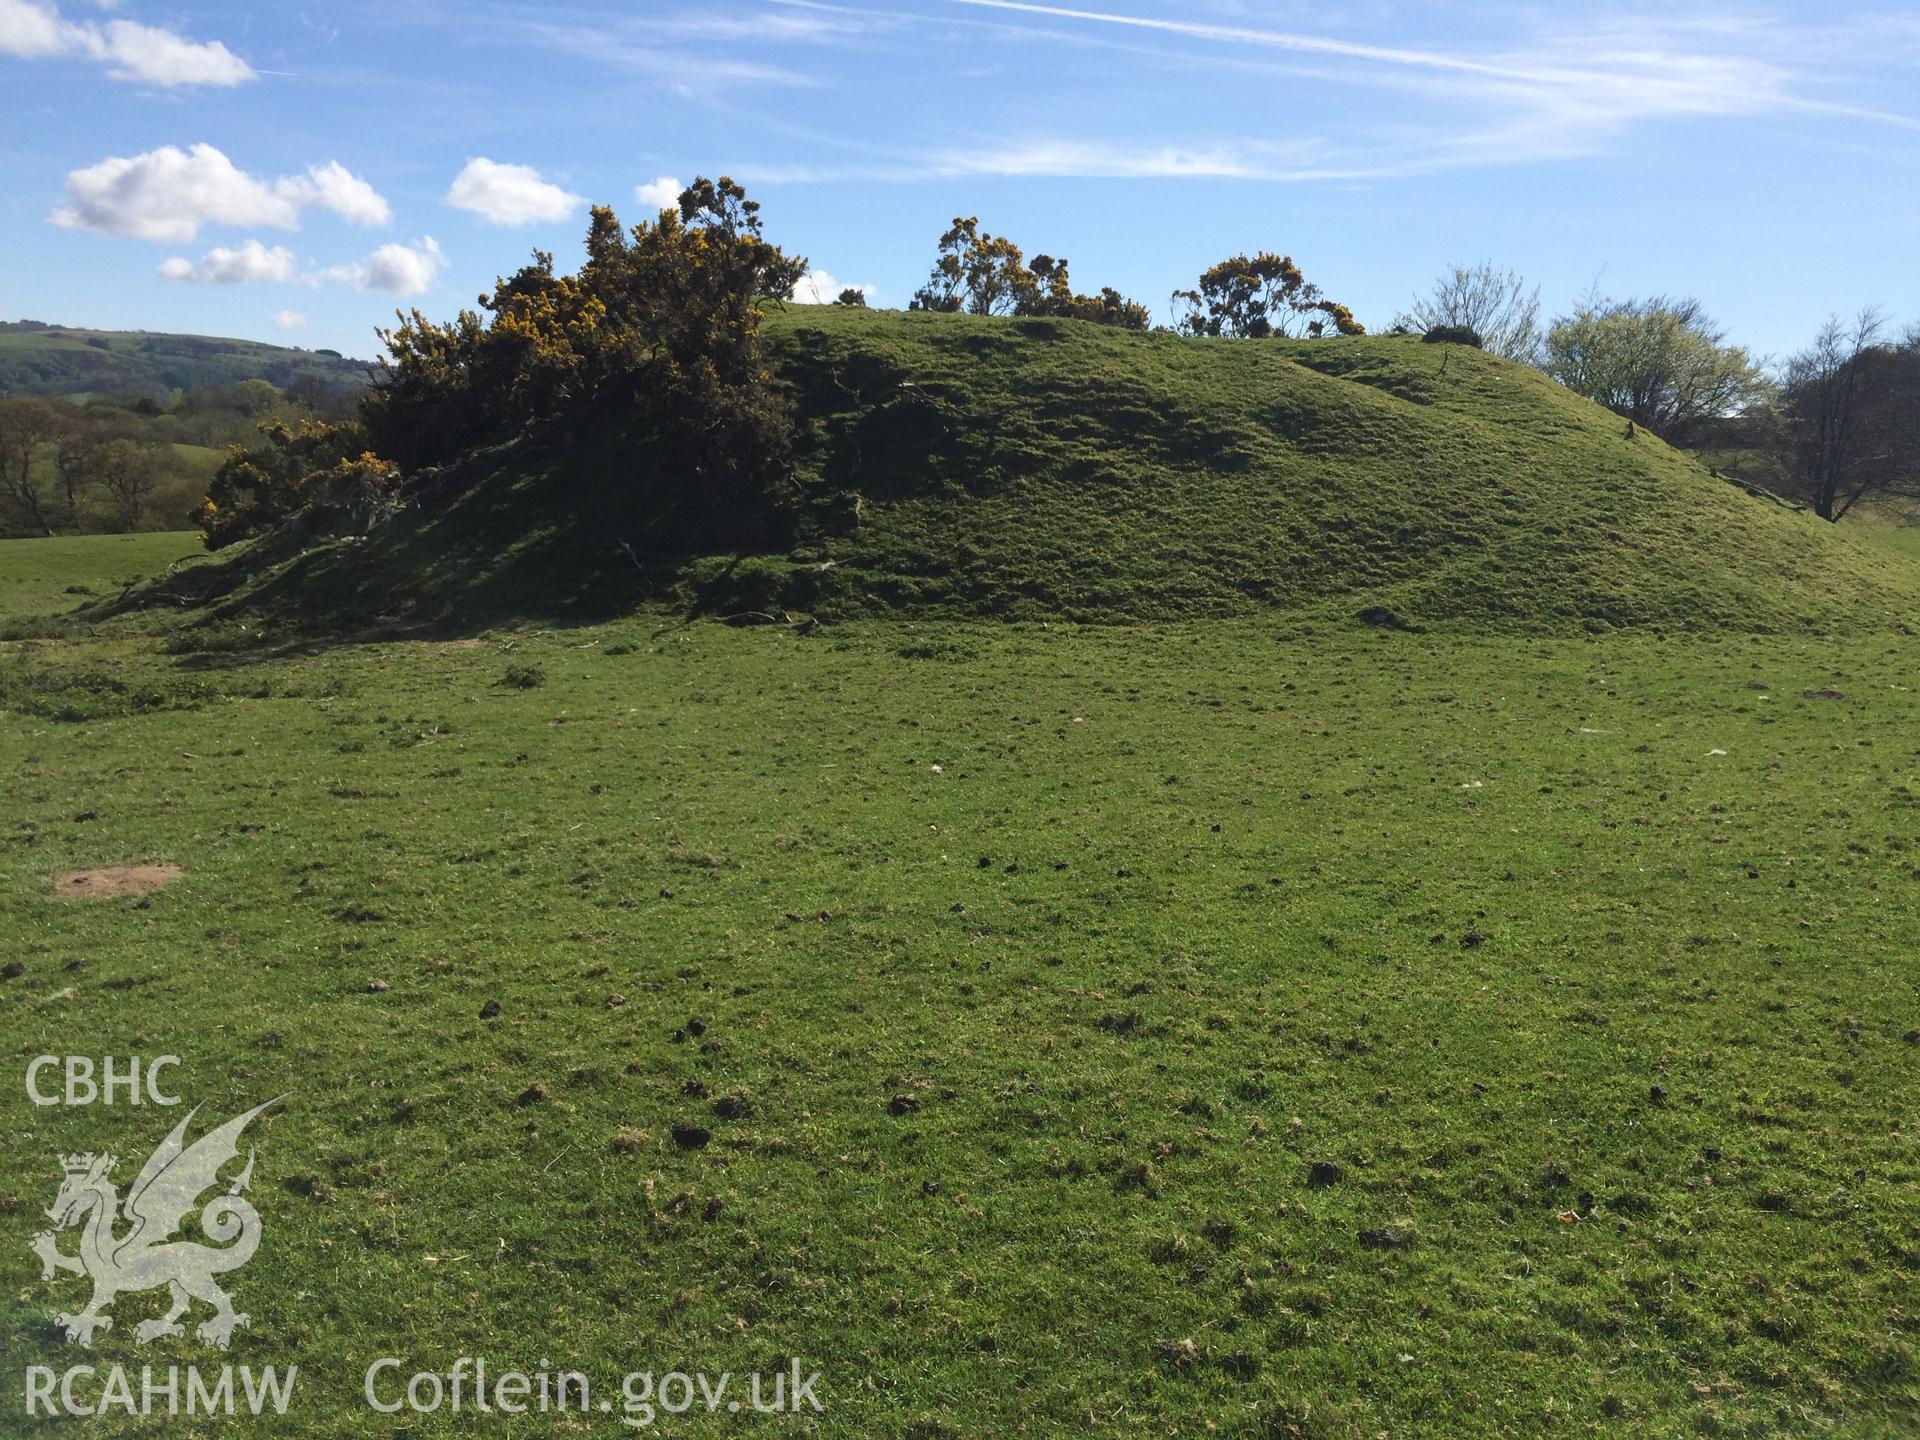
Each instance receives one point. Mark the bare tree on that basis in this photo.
(78, 453)
(1851, 409)
(27, 425)
(1495, 304)
(130, 470)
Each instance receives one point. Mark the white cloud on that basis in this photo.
(333, 187)
(33, 29)
(30, 31)
(289, 320)
(661, 194)
(169, 193)
(160, 57)
(403, 269)
(251, 264)
(817, 287)
(397, 269)
(509, 194)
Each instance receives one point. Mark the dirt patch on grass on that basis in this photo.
(106, 881)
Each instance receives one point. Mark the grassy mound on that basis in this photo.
(962, 467)
(1060, 469)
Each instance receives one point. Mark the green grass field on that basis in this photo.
(41, 577)
(1894, 525)
(1037, 966)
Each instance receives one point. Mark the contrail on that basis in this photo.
(1276, 38)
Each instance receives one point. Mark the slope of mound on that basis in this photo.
(954, 466)
(1052, 468)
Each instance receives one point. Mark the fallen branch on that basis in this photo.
(801, 624)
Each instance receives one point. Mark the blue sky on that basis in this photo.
(293, 173)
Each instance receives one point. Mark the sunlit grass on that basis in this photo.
(1584, 966)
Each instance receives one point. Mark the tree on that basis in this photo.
(129, 471)
(77, 454)
(256, 398)
(1253, 297)
(104, 453)
(1850, 413)
(988, 275)
(318, 394)
(1495, 304)
(1659, 362)
(27, 426)
(852, 296)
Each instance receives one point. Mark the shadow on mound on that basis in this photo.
(511, 536)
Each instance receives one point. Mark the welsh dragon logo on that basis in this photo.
(161, 1199)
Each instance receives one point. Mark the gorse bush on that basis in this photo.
(657, 335)
(987, 274)
(1253, 297)
(655, 340)
(1454, 335)
(661, 320)
(291, 469)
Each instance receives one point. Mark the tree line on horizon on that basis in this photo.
(657, 337)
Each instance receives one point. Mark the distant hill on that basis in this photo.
(41, 359)
(1053, 469)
